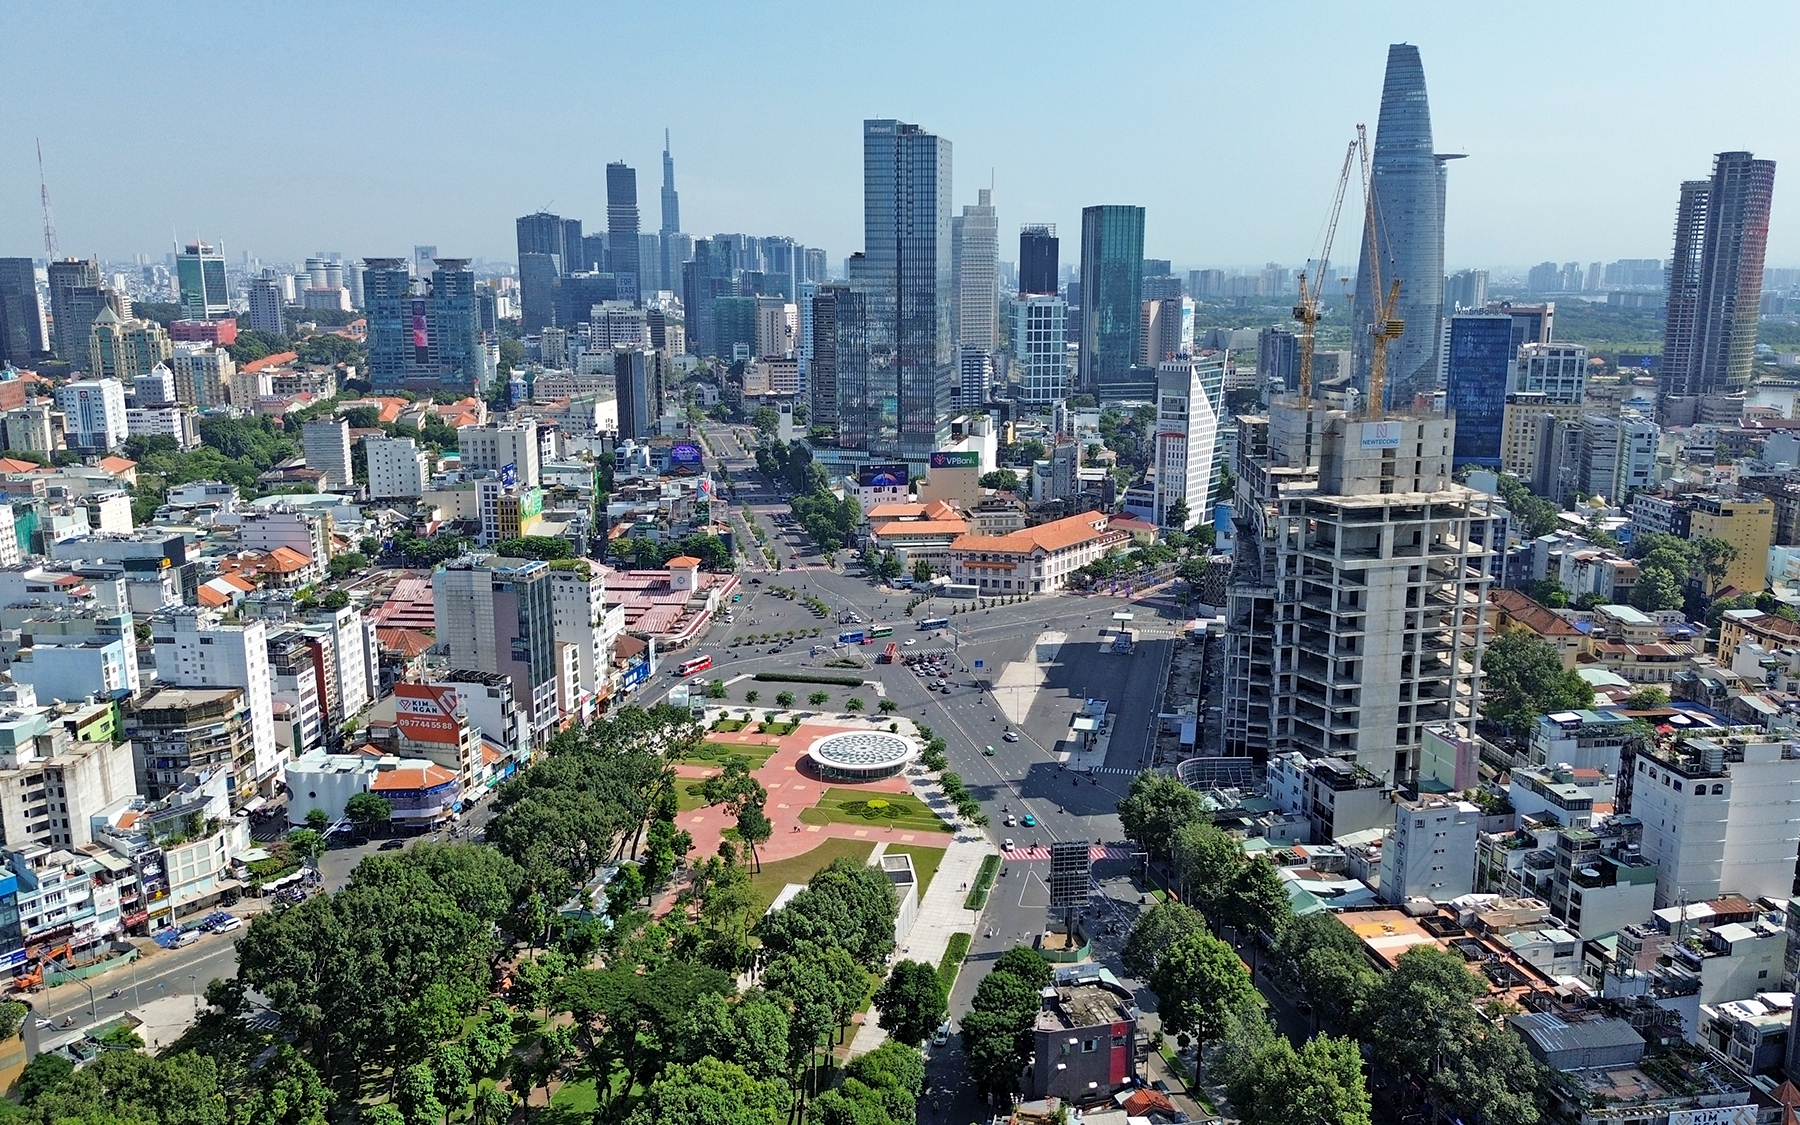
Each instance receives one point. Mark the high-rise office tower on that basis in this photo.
(822, 365)
(1190, 393)
(421, 259)
(68, 329)
(496, 614)
(1037, 259)
(904, 272)
(650, 256)
(1040, 343)
(622, 228)
(705, 278)
(541, 264)
(671, 200)
(1715, 278)
(975, 268)
(1112, 293)
(265, 304)
(1168, 329)
(1465, 289)
(1278, 358)
(429, 331)
(1477, 369)
(21, 318)
(387, 285)
(200, 274)
(1409, 182)
(573, 258)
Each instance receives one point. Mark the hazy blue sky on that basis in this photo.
(286, 128)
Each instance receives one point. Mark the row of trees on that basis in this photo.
(1419, 1026)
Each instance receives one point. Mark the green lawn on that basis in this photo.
(768, 882)
(719, 751)
(687, 796)
(925, 862)
(578, 1096)
(902, 811)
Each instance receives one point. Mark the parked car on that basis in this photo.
(942, 1036)
(391, 845)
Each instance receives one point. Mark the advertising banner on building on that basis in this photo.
(1381, 435)
(881, 476)
(956, 459)
(684, 459)
(426, 712)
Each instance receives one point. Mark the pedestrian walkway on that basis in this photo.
(1041, 854)
(940, 915)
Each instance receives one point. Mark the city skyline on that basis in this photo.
(1518, 199)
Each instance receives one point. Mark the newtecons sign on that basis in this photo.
(427, 713)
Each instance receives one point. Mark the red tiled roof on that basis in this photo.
(683, 560)
(411, 777)
(275, 360)
(116, 465)
(1539, 618)
(1053, 536)
(14, 465)
(407, 643)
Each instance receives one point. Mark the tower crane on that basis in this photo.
(1307, 311)
(1384, 326)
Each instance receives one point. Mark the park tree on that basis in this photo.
(711, 1092)
(1656, 589)
(1494, 1082)
(998, 1031)
(1155, 931)
(912, 1002)
(1525, 679)
(1421, 1015)
(1319, 1084)
(847, 905)
(1154, 809)
(1321, 957)
(368, 809)
(1207, 861)
(1199, 982)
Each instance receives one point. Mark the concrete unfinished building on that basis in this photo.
(1354, 610)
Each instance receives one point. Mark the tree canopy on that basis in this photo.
(1525, 678)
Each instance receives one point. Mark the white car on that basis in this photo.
(911, 641)
(1009, 844)
(228, 925)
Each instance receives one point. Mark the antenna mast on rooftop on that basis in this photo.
(44, 194)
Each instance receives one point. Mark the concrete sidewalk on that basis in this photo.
(941, 914)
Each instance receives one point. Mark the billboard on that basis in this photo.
(531, 504)
(960, 459)
(509, 475)
(1381, 435)
(881, 476)
(421, 335)
(426, 713)
(684, 459)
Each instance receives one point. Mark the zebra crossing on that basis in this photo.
(1042, 854)
(1114, 771)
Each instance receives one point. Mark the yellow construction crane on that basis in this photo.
(1384, 325)
(1307, 311)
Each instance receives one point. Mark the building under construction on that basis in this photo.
(1354, 606)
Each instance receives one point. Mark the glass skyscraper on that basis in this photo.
(21, 318)
(1037, 259)
(1112, 293)
(904, 274)
(200, 275)
(1481, 357)
(622, 229)
(1409, 182)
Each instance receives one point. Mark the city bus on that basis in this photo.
(881, 631)
(852, 637)
(889, 654)
(697, 664)
(935, 623)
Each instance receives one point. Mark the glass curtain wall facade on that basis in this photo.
(1409, 183)
(1112, 293)
(905, 274)
(1038, 250)
(1041, 348)
(622, 229)
(1481, 356)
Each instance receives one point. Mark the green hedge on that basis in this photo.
(951, 962)
(804, 678)
(984, 882)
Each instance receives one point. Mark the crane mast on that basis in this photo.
(1384, 326)
(1307, 311)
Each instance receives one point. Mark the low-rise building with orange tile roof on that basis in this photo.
(15, 465)
(277, 359)
(1508, 609)
(1037, 560)
(123, 469)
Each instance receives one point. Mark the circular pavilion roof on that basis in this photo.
(862, 750)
